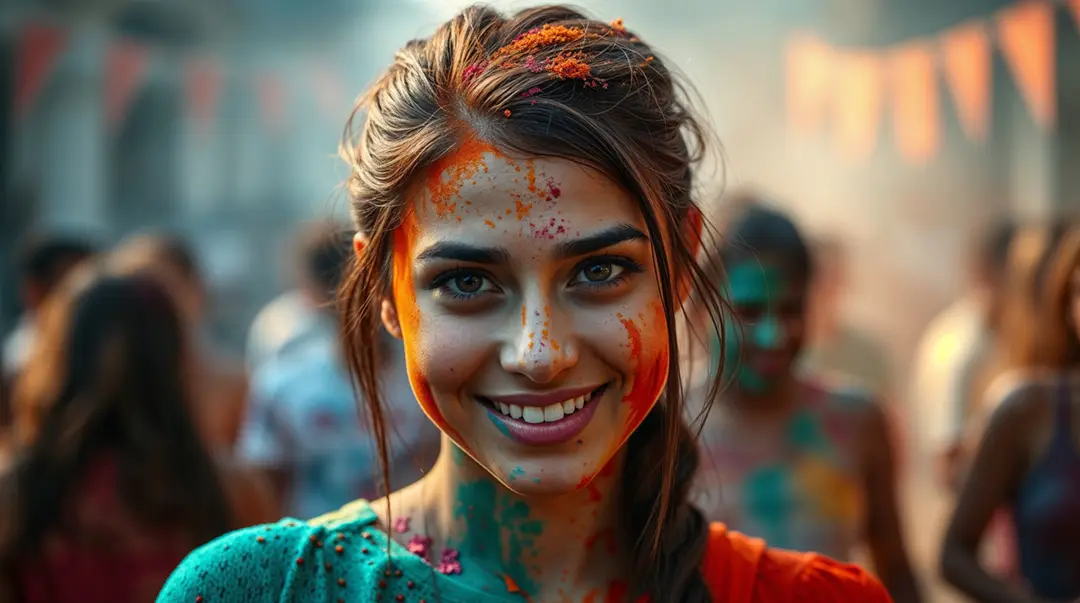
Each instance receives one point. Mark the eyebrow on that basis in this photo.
(599, 240)
(463, 252)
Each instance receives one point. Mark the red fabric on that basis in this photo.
(739, 569)
(105, 556)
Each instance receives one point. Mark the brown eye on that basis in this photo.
(468, 283)
(598, 273)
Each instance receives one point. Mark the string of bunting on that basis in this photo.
(125, 64)
(847, 91)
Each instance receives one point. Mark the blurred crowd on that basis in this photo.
(129, 438)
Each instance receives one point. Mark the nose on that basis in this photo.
(542, 345)
(769, 333)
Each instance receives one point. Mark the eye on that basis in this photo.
(463, 284)
(604, 271)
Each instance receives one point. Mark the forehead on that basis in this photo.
(480, 194)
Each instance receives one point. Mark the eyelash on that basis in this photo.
(440, 283)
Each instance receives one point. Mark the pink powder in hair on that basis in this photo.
(532, 64)
(530, 92)
(472, 71)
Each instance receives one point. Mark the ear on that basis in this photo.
(359, 243)
(390, 320)
(692, 229)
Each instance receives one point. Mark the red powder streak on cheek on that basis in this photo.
(616, 592)
(409, 318)
(649, 380)
(589, 481)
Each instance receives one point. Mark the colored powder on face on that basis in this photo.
(553, 188)
(446, 176)
(408, 312)
(569, 67)
(401, 525)
(501, 426)
(489, 223)
(516, 473)
(589, 481)
(650, 379)
(538, 38)
(521, 208)
(497, 525)
(550, 230)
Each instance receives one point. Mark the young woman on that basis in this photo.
(110, 485)
(1029, 459)
(522, 187)
(806, 465)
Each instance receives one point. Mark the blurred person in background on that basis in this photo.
(834, 347)
(1028, 458)
(302, 425)
(43, 261)
(295, 315)
(802, 462)
(220, 381)
(955, 349)
(110, 485)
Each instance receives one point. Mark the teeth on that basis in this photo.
(515, 411)
(532, 414)
(553, 413)
(567, 407)
(580, 401)
(504, 408)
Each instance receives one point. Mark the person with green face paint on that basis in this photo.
(806, 465)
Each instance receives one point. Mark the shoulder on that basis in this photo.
(276, 562)
(741, 569)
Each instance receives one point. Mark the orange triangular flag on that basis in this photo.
(1026, 34)
(969, 74)
(857, 97)
(126, 65)
(808, 82)
(916, 119)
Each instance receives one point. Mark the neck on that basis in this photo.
(555, 547)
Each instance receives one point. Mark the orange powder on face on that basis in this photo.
(408, 312)
(521, 208)
(445, 176)
(650, 378)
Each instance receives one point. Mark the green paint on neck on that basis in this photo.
(497, 532)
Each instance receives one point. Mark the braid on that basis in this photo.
(667, 551)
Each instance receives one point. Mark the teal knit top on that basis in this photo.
(335, 558)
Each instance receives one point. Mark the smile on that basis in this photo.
(544, 419)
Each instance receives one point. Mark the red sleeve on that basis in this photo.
(739, 569)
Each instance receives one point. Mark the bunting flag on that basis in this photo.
(125, 66)
(808, 82)
(968, 68)
(271, 93)
(202, 86)
(857, 102)
(1026, 38)
(329, 91)
(39, 47)
(916, 119)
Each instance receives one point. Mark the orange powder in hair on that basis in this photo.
(408, 312)
(618, 26)
(445, 176)
(569, 67)
(535, 39)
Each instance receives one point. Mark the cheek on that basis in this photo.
(648, 354)
(412, 331)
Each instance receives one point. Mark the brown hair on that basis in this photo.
(1060, 347)
(107, 377)
(547, 82)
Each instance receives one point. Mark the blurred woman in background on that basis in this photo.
(804, 464)
(1028, 458)
(110, 484)
(220, 381)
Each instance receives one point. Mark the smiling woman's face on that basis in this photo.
(530, 311)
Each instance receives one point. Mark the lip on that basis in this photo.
(548, 434)
(544, 399)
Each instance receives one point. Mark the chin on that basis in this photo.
(550, 472)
